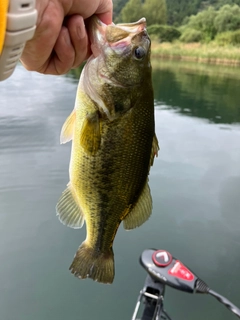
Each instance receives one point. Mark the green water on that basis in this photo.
(195, 185)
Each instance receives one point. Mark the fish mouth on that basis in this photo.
(134, 27)
(112, 35)
(97, 31)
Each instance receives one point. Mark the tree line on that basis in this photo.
(177, 10)
(195, 21)
(221, 25)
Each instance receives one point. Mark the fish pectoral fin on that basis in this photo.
(155, 149)
(67, 128)
(141, 211)
(90, 137)
(68, 210)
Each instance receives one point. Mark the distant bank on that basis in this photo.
(203, 53)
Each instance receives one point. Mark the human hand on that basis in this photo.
(61, 42)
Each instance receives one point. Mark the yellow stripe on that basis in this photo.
(3, 21)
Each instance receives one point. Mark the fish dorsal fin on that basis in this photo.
(155, 149)
(68, 210)
(141, 211)
(90, 136)
(68, 128)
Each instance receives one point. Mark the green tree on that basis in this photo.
(155, 11)
(228, 18)
(210, 22)
(221, 3)
(117, 7)
(191, 35)
(132, 11)
(228, 37)
(178, 10)
(163, 33)
(204, 21)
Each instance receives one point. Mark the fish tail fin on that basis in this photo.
(89, 263)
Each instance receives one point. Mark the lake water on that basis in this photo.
(195, 185)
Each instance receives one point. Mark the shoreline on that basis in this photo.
(196, 52)
(217, 61)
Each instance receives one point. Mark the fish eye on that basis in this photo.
(139, 53)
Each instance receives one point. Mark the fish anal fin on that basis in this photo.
(90, 137)
(68, 210)
(91, 263)
(155, 149)
(68, 128)
(141, 211)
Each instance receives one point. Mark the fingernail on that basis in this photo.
(81, 30)
(66, 37)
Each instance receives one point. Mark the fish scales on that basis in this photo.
(110, 170)
(113, 146)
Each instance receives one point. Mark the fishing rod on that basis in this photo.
(165, 270)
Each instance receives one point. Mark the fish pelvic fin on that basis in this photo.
(141, 211)
(90, 138)
(68, 128)
(68, 210)
(90, 263)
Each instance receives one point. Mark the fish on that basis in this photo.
(113, 145)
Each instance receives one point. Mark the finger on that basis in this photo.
(86, 8)
(63, 55)
(38, 50)
(105, 11)
(79, 39)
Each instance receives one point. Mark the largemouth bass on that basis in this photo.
(113, 145)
